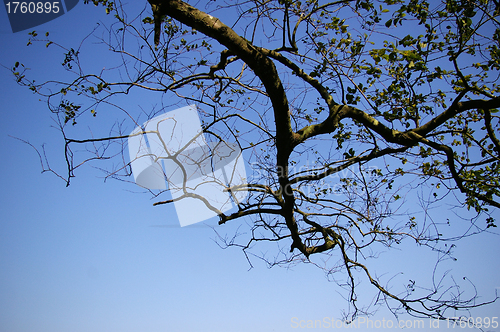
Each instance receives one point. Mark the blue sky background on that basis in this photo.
(97, 256)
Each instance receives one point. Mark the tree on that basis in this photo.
(344, 109)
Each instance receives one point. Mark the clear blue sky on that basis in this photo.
(97, 256)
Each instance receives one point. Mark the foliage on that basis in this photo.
(343, 108)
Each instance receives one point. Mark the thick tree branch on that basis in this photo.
(456, 108)
(266, 71)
